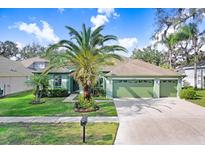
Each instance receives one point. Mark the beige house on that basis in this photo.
(13, 77)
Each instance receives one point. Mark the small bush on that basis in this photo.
(188, 93)
(57, 92)
(84, 103)
(188, 87)
(98, 91)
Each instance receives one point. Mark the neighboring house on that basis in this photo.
(188, 71)
(35, 64)
(58, 78)
(13, 76)
(128, 78)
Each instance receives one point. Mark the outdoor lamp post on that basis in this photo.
(83, 123)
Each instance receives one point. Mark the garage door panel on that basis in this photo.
(168, 88)
(133, 88)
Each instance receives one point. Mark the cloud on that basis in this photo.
(103, 16)
(98, 20)
(61, 10)
(46, 33)
(19, 45)
(128, 43)
(108, 12)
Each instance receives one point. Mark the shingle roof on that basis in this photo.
(135, 67)
(12, 68)
(56, 70)
(30, 61)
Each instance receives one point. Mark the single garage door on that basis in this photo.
(168, 88)
(133, 88)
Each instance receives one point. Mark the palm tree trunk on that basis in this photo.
(195, 75)
(86, 92)
(170, 59)
(37, 97)
(194, 42)
(195, 70)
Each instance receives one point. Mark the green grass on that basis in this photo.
(19, 105)
(62, 133)
(200, 100)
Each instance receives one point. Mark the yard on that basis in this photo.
(62, 133)
(19, 105)
(200, 100)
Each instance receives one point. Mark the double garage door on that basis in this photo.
(143, 88)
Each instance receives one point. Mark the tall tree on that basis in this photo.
(191, 32)
(149, 54)
(8, 49)
(32, 50)
(169, 21)
(87, 51)
(171, 42)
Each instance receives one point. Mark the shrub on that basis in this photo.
(57, 92)
(84, 103)
(188, 93)
(98, 91)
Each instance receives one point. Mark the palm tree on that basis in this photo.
(40, 82)
(87, 51)
(171, 42)
(191, 32)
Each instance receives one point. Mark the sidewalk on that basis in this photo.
(70, 98)
(55, 119)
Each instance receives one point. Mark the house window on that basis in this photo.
(199, 81)
(57, 81)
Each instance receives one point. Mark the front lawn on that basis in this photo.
(19, 105)
(62, 133)
(200, 100)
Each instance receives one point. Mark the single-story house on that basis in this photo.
(127, 78)
(136, 78)
(13, 77)
(188, 71)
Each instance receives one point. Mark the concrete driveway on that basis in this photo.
(160, 121)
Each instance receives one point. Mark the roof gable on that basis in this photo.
(30, 61)
(135, 67)
(12, 68)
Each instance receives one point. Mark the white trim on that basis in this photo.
(145, 78)
(133, 78)
(168, 78)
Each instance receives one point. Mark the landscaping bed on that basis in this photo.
(58, 134)
(19, 105)
(95, 97)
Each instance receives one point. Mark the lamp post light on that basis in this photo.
(83, 122)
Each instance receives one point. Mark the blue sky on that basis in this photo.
(134, 27)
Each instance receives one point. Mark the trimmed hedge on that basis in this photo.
(58, 92)
(188, 93)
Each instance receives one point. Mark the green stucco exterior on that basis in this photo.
(66, 81)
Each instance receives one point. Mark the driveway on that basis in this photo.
(160, 121)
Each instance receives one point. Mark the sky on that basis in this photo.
(133, 27)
